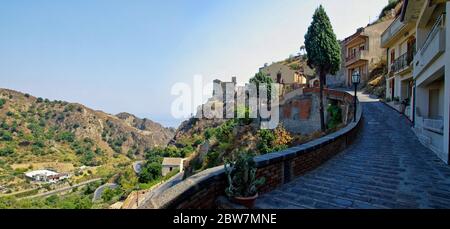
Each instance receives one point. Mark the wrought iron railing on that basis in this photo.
(403, 61)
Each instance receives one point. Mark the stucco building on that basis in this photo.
(431, 70)
(170, 164)
(399, 40)
(363, 50)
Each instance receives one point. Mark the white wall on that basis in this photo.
(447, 86)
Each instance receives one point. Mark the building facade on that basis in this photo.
(363, 51)
(283, 74)
(431, 88)
(399, 40)
(170, 164)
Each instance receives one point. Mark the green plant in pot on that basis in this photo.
(242, 183)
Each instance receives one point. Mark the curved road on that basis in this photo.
(386, 167)
(98, 192)
(61, 189)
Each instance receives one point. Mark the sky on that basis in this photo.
(125, 56)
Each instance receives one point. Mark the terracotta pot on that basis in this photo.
(248, 202)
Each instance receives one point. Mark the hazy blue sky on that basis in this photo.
(123, 55)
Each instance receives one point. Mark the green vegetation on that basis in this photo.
(108, 194)
(2, 102)
(241, 175)
(273, 140)
(152, 168)
(77, 199)
(391, 5)
(335, 113)
(324, 52)
(4, 152)
(262, 78)
(266, 141)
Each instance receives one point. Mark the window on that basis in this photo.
(392, 56)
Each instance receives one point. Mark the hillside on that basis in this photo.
(36, 133)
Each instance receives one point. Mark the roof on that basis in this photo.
(41, 172)
(172, 161)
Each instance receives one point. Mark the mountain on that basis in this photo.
(35, 132)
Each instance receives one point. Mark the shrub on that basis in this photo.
(150, 171)
(266, 141)
(212, 159)
(294, 66)
(39, 143)
(9, 113)
(66, 136)
(4, 125)
(108, 194)
(2, 102)
(6, 151)
(27, 95)
(69, 107)
(282, 136)
(39, 100)
(224, 133)
(335, 116)
(88, 158)
(6, 135)
(209, 133)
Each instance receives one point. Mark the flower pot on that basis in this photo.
(248, 202)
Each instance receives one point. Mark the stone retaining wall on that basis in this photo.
(200, 191)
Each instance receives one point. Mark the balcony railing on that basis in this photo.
(396, 26)
(440, 23)
(431, 47)
(403, 61)
(355, 56)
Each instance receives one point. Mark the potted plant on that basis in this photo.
(405, 103)
(242, 182)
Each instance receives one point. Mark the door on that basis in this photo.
(393, 88)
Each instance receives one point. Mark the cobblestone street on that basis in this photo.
(386, 167)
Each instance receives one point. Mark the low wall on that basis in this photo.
(201, 190)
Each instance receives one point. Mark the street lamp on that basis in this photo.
(356, 79)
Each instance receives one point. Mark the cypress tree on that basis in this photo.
(323, 51)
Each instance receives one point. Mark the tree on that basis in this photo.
(323, 51)
(150, 171)
(262, 78)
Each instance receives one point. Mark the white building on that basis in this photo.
(399, 40)
(431, 98)
(46, 176)
(170, 164)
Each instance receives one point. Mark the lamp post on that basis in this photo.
(356, 79)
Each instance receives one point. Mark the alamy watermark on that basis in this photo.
(257, 101)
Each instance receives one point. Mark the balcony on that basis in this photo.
(403, 62)
(432, 48)
(391, 32)
(354, 57)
